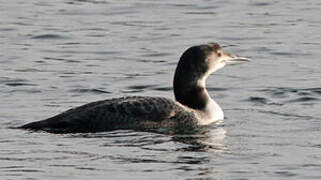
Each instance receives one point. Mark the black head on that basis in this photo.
(195, 59)
(194, 66)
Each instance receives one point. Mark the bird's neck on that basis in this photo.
(190, 90)
(192, 93)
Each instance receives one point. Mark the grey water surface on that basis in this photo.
(59, 54)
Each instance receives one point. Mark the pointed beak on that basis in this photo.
(236, 60)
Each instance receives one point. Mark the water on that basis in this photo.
(55, 55)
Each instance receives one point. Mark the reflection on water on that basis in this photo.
(204, 139)
(61, 54)
(209, 140)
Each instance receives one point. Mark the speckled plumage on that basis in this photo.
(192, 107)
(136, 112)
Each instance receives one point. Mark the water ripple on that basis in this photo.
(293, 95)
(93, 91)
(303, 99)
(292, 115)
(49, 36)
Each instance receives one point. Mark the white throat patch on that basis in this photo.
(213, 113)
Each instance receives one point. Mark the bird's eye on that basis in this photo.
(219, 54)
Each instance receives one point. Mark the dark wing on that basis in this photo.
(118, 113)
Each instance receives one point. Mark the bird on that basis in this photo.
(192, 107)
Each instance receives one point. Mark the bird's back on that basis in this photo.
(136, 112)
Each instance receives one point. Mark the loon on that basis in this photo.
(193, 107)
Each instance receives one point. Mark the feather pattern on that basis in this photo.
(135, 112)
(192, 107)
